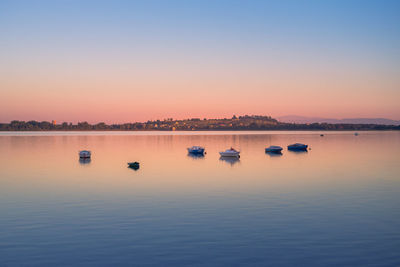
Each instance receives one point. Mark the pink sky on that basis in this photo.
(129, 62)
(129, 93)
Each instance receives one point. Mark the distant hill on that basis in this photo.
(301, 119)
(240, 123)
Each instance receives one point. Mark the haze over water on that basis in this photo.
(336, 205)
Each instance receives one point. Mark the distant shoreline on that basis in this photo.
(225, 130)
(241, 123)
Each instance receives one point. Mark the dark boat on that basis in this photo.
(297, 147)
(133, 165)
(273, 149)
(196, 150)
(85, 154)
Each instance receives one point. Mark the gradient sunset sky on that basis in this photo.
(123, 61)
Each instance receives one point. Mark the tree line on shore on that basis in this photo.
(235, 123)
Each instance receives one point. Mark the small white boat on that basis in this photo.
(230, 153)
(273, 149)
(85, 154)
(198, 150)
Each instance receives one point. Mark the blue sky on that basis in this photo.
(258, 46)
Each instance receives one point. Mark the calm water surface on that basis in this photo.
(336, 205)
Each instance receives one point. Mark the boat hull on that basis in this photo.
(273, 150)
(298, 147)
(85, 154)
(196, 151)
(230, 154)
(133, 165)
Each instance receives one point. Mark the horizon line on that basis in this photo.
(204, 118)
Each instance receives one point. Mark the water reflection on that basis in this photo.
(298, 152)
(55, 211)
(230, 160)
(274, 154)
(84, 161)
(195, 156)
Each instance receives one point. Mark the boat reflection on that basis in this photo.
(274, 154)
(298, 152)
(195, 156)
(84, 161)
(230, 160)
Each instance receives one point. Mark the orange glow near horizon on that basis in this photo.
(120, 99)
(133, 61)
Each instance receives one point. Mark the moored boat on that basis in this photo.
(85, 154)
(273, 149)
(230, 153)
(133, 165)
(198, 150)
(297, 147)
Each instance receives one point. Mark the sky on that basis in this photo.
(123, 61)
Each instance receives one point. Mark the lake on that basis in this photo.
(336, 205)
